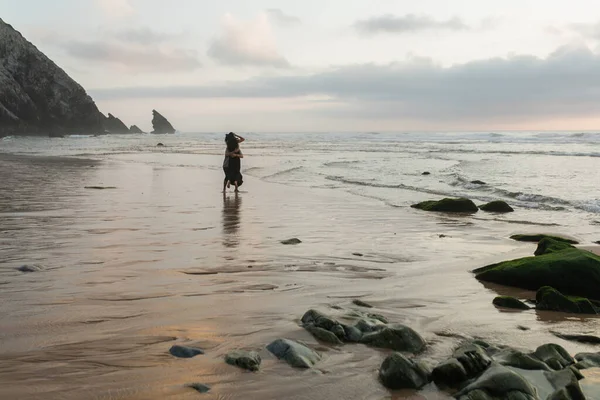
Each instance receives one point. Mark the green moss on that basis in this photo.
(548, 298)
(539, 236)
(497, 206)
(548, 245)
(510, 302)
(571, 271)
(461, 205)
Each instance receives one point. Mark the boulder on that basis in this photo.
(295, 354)
(510, 302)
(449, 373)
(399, 372)
(361, 303)
(590, 339)
(37, 96)
(160, 124)
(548, 245)
(497, 206)
(395, 337)
(249, 360)
(135, 129)
(322, 334)
(113, 124)
(316, 319)
(570, 392)
(571, 271)
(460, 205)
(515, 358)
(548, 298)
(184, 351)
(30, 268)
(539, 236)
(199, 387)
(426, 173)
(291, 241)
(498, 382)
(553, 355)
(587, 360)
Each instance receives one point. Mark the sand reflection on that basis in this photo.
(231, 220)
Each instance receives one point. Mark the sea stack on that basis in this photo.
(135, 129)
(113, 124)
(160, 124)
(37, 96)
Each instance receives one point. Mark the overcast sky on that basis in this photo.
(317, 65)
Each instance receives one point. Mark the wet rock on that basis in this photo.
(160, 124)
(352, 334)
(548, 298)
(160, 145)
(497, 206)
(569, 392)
(498, 382)
(399, 372)
(572, 271)
(449, 373)
(426, 173)
(361, 303)
(549, 245)
(295, 354)
(587, 360)
(30, 268)
(478, 182)
(184, 351)
(378, 317)
(291, 241)
(395, 337)
(249, 360)
(323, 335)
(367, 325)
(591, 339)
(319, 320)
(510, 302)
(358, 254)
(473, 358)
(135, 129)
(518, 359)
(459, 205)
(200, 387)
(539, 236)
(523, 328)
(555, 356)
(100, 187)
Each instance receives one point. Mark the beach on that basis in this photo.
(135, 249)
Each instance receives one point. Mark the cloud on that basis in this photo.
(145, 36)
(281, 18)
(116, 8)
(147, 58)
(406, 24)
(246, 43)
(591, 31)
(519, 88)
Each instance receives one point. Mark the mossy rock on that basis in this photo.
(572, 271)
(460, 205)
(539, 236)
(510, 302)
(399, 372)
(497, 206)
(548, 298)
(548, 245)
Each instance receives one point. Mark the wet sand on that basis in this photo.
(164, 259)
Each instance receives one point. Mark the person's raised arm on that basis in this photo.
(239, 138)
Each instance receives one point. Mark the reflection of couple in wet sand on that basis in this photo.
(231, 219)
(232, 164)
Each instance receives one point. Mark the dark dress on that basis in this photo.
(232, 168)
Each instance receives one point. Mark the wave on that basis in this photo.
(80, 136)
(280, 173)
(7, 138)
(592, 206)
(340, 163)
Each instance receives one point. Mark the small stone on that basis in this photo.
(510, 302)
(357, 254)
(478, 182)
(295, 354)
(523, 328)
(184, 351)
(361, 303)
(249, 360)
(426, 173)
(30, 268)
(200, 387)
(291, 241)
(160, 145)
(396, 337)
(323, 335)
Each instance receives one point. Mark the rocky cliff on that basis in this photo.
(113, 124)
(135, 129)
(37, 96)
(160, 123)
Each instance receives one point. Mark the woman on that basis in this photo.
(232, 163)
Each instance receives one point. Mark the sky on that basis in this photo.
(337, 65)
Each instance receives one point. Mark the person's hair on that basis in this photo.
(232, 143)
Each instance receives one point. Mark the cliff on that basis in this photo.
(135, 129)
(160, 124)
(113, 124)
(37, 96)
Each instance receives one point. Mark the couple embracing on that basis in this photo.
(232, 164)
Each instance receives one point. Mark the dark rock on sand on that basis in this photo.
(548, 298)
(510, 302)
(539, 236)
(426, 173)
(37, 96)
(449, 373)
(497, 206)
(590, 339)
(160, 124)
(460, 205)
(478, 182)
(249, 360)
(498, 382)
(99, 187)
(548, 245)
(113, 124)
(160, 145)
(361, 303)
(323, 335)
(571, 271)
(135, 129)
(399, 372)
(184, 351)
(357, 254)
(570, 392)
(587, 360)
(30, 268)
(200, 387)
(515, 358)
(295, 354)
(396, 337)
(555, 356)
(291, 241)
(314, 318)
(468, 361)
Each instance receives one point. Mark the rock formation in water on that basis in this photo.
(135, 129)
(160, 124)
(37, 96)
(113, 124)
